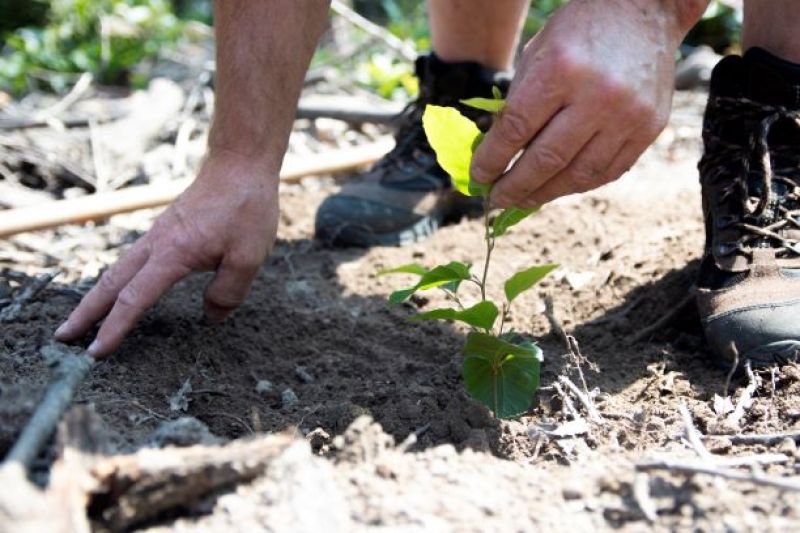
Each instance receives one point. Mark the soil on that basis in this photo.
(317, 323)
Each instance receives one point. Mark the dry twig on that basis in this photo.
(69, 372)
(12, 311)
(405, 49)
(755, 477)
(665, 320)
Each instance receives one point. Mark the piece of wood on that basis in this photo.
(132, 489)
(7, 314)
(754, 477)
(70, 370)
(102, 205)
(348, 109)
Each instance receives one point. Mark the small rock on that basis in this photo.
(289, 398)
(572, 493)
(185, 431)
(303, 374)
(319, 439)
(787, 446)
(264, 386)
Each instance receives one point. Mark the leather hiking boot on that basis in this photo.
(749, 281)
(406, 196)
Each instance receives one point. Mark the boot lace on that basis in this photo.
(769, 193)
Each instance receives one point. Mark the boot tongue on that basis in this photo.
(772, 80)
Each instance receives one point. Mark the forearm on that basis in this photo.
(263, 51)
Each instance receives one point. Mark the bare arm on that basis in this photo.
(226, 220)
(592, 91)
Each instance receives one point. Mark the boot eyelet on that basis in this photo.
(726, 248)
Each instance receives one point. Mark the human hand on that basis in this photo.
(225, 221)
(593, 90)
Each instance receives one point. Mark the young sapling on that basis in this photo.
(499, 370)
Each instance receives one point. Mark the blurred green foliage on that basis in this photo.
(46, 43)
(108, 38)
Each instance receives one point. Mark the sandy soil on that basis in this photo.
(317, 324)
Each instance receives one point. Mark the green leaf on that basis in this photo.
(492, 105)
(501, 375)
(480, 315)
(454, 138)
(525, 279)
(510, 217)
(496, 92)
(411, 268)
(441, 275)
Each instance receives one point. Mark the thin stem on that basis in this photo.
(489, 246)
(454, 297)
(503, 318)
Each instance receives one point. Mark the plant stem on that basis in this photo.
(503, 318)
(489, 245)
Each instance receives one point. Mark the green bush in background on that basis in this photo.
(47, 43)
(108, 38)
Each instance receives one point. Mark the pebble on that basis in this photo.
(264, 386)
(303, 374)
(289, 398)
(788, 446)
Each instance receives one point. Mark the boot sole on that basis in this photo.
(775, 353)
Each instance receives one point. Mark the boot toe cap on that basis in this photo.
(764, 334)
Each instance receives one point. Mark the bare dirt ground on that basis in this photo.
(317, 324)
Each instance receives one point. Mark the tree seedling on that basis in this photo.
(499, 370)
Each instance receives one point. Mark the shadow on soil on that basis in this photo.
(342, 354)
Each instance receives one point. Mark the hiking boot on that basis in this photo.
(406, 196)
(749, 281)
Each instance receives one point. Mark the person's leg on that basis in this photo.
(477, 30)
(749, 281)
(773, 25)
(406, 196)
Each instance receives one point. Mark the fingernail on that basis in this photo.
(62, 330)
(94, 348)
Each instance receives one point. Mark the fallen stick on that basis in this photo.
(132, 489)
(767, 439)
(665, 320)
(11, 312)
(69, 372)
(102, 205)
(694, 437)
(586, 401)
(756, 478)
(351, 110)
(404, 48)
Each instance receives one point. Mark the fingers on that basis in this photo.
(229, 288)
(529, 108)
(141, 293)
(552, 151)
(101, 298)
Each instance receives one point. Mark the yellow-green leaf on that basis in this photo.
(454, 138)
(492, 105)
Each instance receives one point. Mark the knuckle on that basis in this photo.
(585, 177)
(512, 127)
(129, 297)
(548, 160)
(108, 281)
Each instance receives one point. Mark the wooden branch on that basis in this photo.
(754, 477)
(665, 320)
(102, 205)
(404, 48)
(351, 110)
(70, 371)
(7, 314)
(132, 489)
(768, 439)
